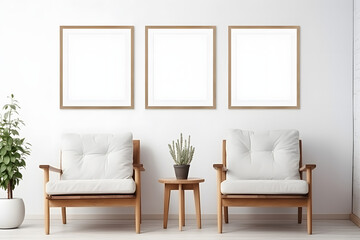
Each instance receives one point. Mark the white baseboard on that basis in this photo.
(355, 219)
(193, 217)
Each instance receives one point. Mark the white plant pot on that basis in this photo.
(12, 212)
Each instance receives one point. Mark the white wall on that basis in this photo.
(29, 68)
(356, 173)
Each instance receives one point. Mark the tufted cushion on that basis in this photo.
(97, 156)
(263, 155)
(264, 187)
(98, 186)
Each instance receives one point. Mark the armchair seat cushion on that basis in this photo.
(94, 186)
(264, 187)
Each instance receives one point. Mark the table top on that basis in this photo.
(181, 181)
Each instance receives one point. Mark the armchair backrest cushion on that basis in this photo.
(263, 155)
(97, 156)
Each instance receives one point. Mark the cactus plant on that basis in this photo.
(181, 151)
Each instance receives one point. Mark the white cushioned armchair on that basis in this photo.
(95, 170)
(263, 169)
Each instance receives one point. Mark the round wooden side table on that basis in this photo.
(181, 185)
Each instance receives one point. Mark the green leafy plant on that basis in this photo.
(182, 152)
(13, 149)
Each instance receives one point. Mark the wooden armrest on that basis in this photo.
(220, 166)
(138, 166)
(50, 168)
(307, 166)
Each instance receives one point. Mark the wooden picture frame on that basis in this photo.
(180, 67)
(96, 67)
(264, 67)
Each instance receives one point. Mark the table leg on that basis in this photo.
(197, 204)
(181, 199)
(183, 207)
(166, 205)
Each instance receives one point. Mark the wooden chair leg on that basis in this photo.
(299, 215)
(309, 217)
(309, 201)
(226, 214)
(47, 217)
(219, 200)
(63, 215)
(219, 216)
(137, 215)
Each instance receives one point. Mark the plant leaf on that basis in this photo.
(3, 151)
(18, 175)
(6, 160)
(14, 132)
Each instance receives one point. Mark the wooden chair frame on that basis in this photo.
(265, 200)
(95, 200)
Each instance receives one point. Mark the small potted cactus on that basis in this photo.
(182, 152)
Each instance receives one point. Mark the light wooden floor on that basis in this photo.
(152, 229)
